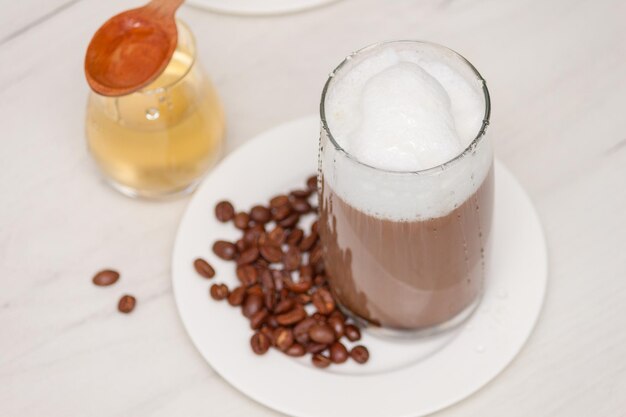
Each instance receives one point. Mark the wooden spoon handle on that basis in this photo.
(164, 7)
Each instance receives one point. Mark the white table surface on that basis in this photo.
(557, 74)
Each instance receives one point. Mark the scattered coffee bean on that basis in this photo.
(247, 275)
(225, 250)
(283, 338)
(322, 333)
(252, 304)
(260, 214)
(296, 350)
(203, 268)
(219, 291)
(241, 220)
(291, 317)
(307, 243)
(224, 211)
(272, 322)
(338, 353)
(277, 236)
(338, 326)
(315, 347)
(301, 206)
(258, 318)
(284, 305)
(279, 200)
(320, 360)
(126, 304)
(311, 183)
(105, 278)
(360, 354)
(281, 213)
(269, 333)
(303, 298)
(260, 343)
(300, 193)
(323, 301)
(271, 253)
(289, 221)
(352, 333)
(241, 245)
(314, 227)
(236, 296)
(248, 256)
(292, 258)
(255, 289)
(295, 237)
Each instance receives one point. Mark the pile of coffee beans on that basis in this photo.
(283, 289)
(107, 277)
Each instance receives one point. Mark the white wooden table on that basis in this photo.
(557, 74)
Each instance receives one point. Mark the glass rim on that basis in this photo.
(469, 148)
(192, 39)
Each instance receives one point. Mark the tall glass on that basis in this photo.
(406, 252)
(159, 141)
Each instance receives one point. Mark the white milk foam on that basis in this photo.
(406, 107)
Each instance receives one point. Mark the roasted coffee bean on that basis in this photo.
(314, 227)
(252, 305)
(271, 253)
(338, 326)
(241, 220)
(272, 322)
(247, 274)
(260, 343)
(296, 350)
(241, 245)
(284, 305)
(300, 193)
(319, 317)
(316, 255)
(302, 286)
(308, 242)
(322, 333)
(277, 235)
(279, 200)
(126, 304)
(248, 256)
(219, 291)
(291, 317)
(225, 250)
(301, 206)
(109, 277)
(269, 300)
(261, 263)
(278, 279)
(283, 294)
(311, 183)
(255, 289)
(338, 353)
(258, 318)
(338, 314)
(236, 296)
(224, 211)
(301, 330)
(294, 237)
(267, 281)
(260, 214)
(292, 258)
(360, 354)
(281, 213)
(283, 338)
(268, 332)
(320, 360)
(315, 347)
(352, 333)
(289, 221)
(303, 299)
(320, 280)
(306, 272)
(251, 236)
(323, 301)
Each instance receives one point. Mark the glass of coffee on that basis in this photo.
(406, 178)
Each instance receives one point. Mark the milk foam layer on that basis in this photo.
(403, 107)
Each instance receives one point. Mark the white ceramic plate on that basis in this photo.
(402, 378)
(258, 7)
